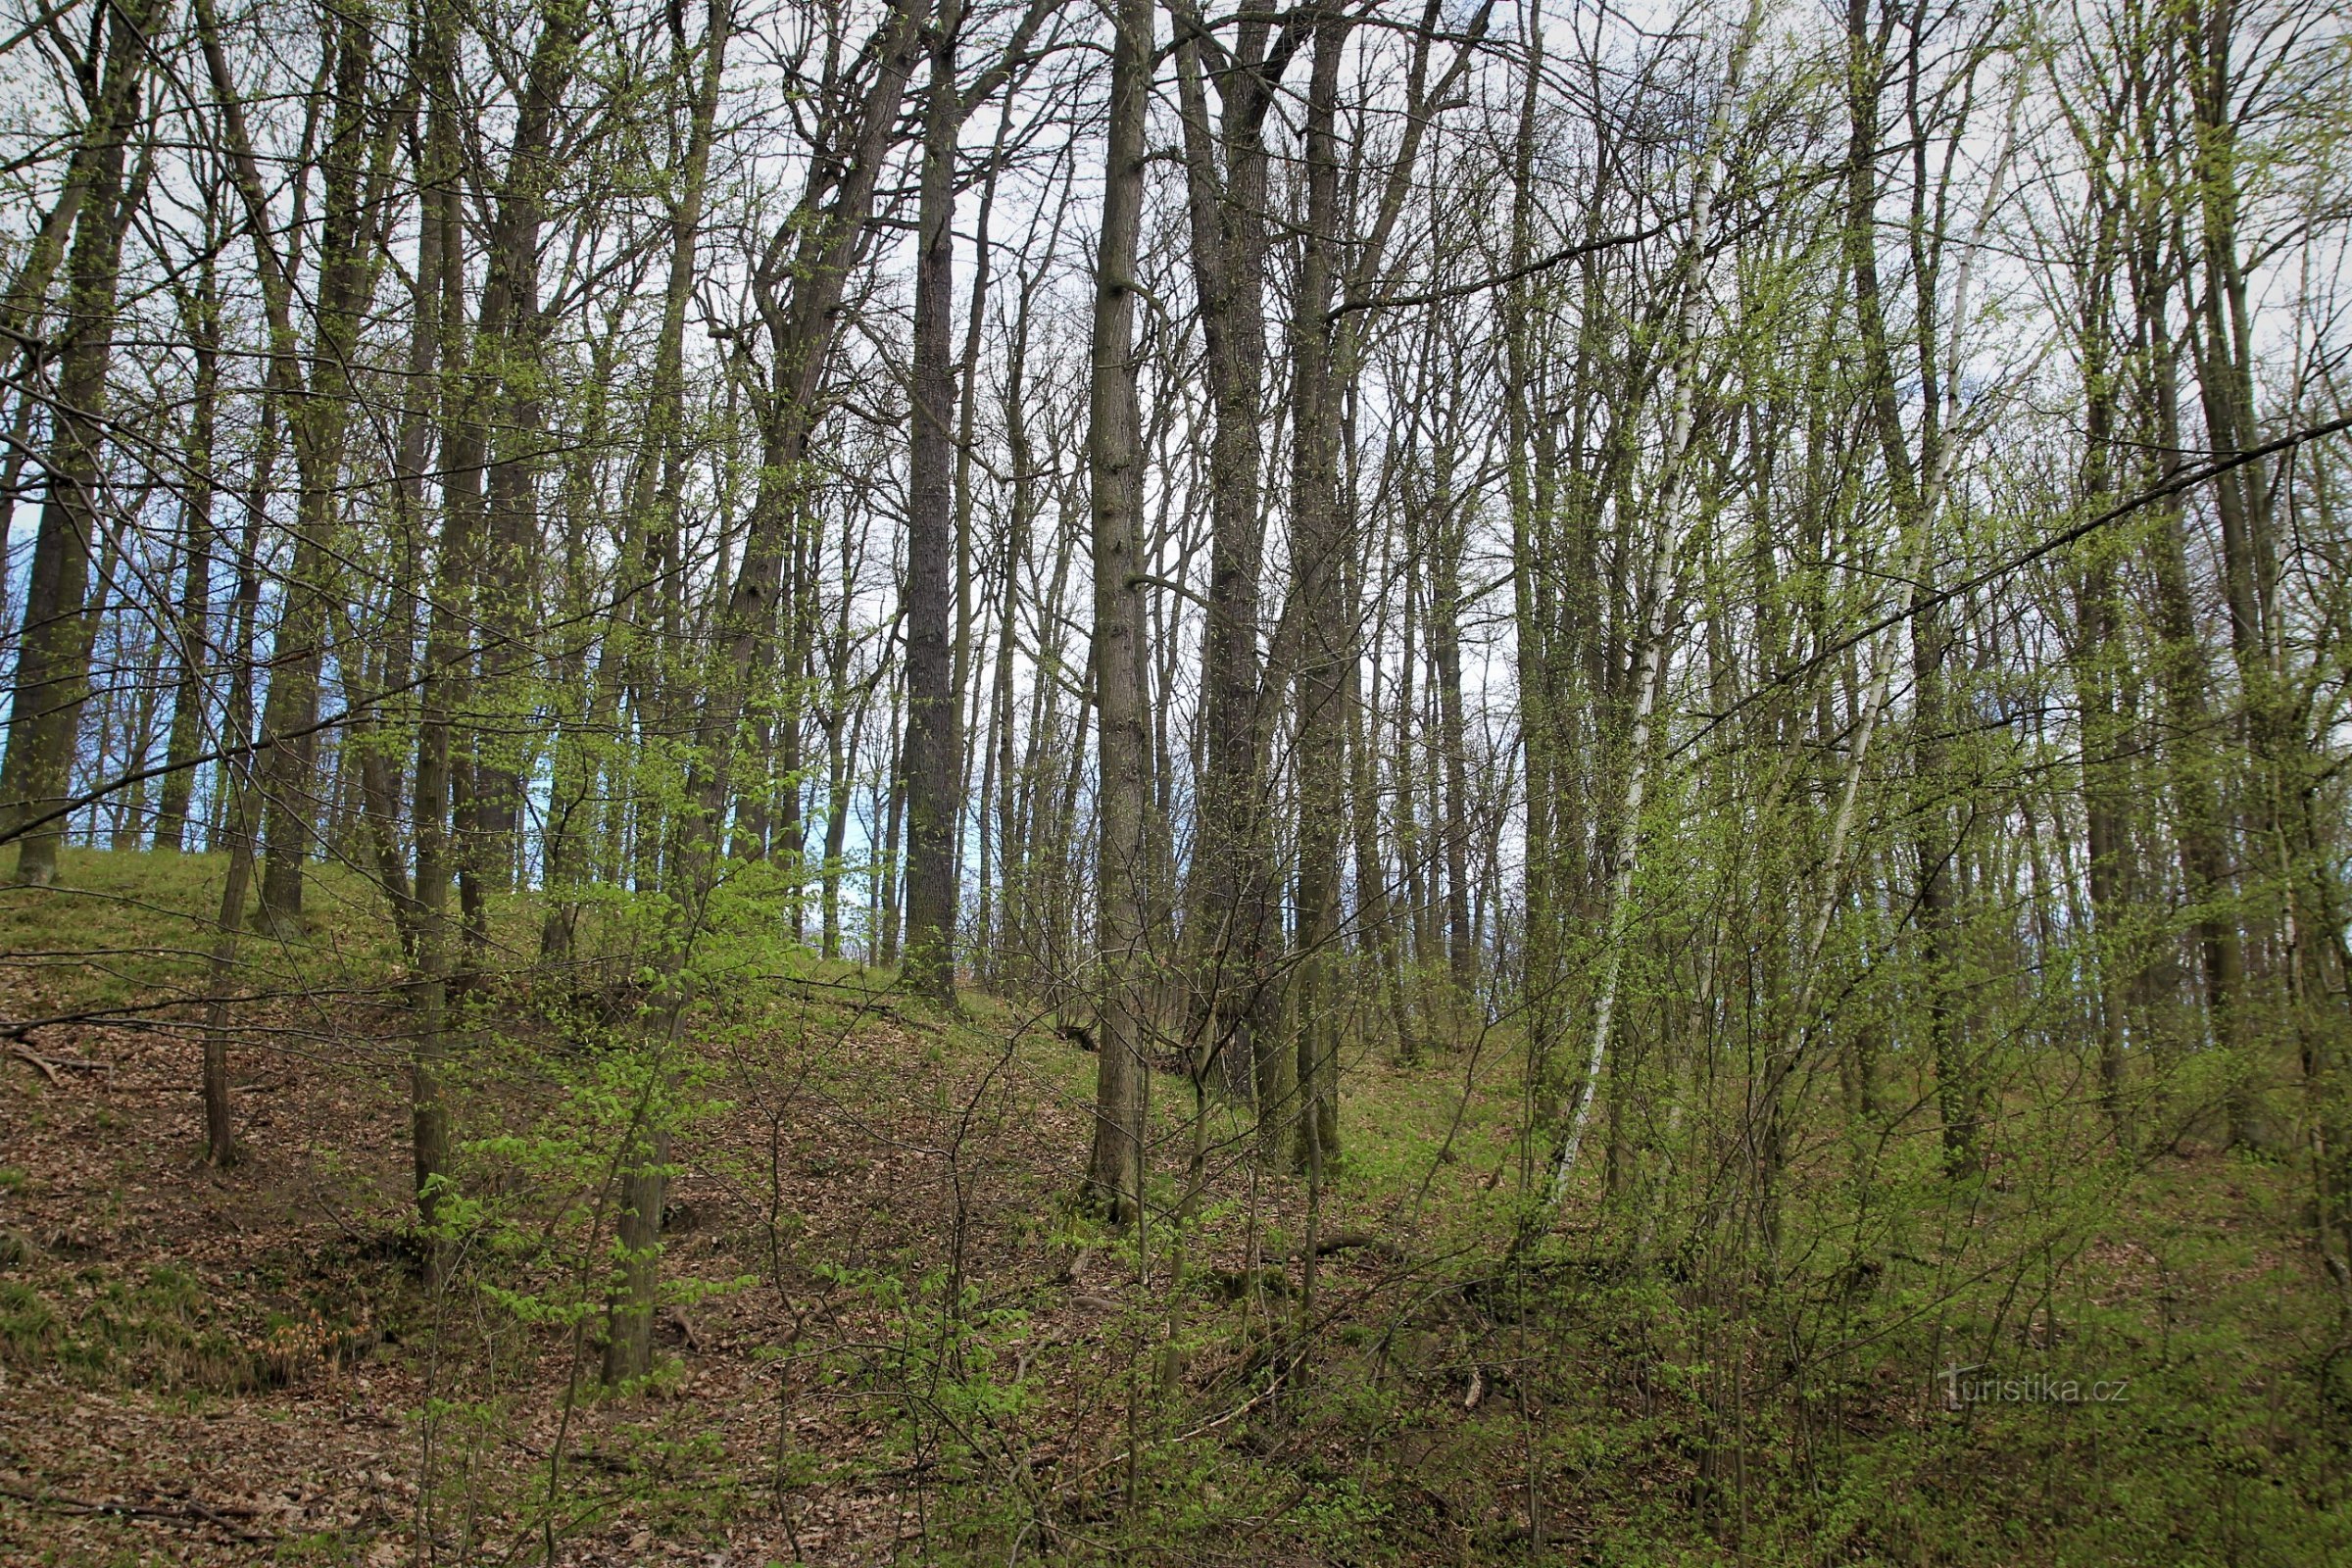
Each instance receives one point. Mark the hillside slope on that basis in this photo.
(890, 1339)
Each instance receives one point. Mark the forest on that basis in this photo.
(1176, 781)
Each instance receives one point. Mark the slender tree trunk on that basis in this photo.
(1452, 737)
(893, 834)
(193, 628)
(220, 1120)
(654, 499)
(1657, 609)
(643, 1191)
(2222, 351)
(1115, 1165)
(53, 647)
(319, 421)
(2099, 657)
(934, 748)
(2202, 838)
(443, 677)
(1933, 845)
(1326, 642)
(1231, 883)
(839, 756)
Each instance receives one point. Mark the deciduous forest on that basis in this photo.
(1175, 781)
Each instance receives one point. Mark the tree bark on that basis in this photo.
(1115, 1163)
(1230, 880)
(934, 748)
(1307, 1129)
(193, 626)
(320, 421)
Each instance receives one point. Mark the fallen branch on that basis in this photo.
(1346, 1241)
(189, 1512)
(858, 998)
(51, 1066)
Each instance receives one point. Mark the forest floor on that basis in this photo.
(890, 1339)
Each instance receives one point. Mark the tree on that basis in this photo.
(53, 647)
(1115, 1172)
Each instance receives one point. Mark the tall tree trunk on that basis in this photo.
(654, 498)
(1446, 649)
(2202, 838)
(934, 749)
(1657, 610)
(1230, 891)
(840, 753)
(53, 648)
(1114, 438)
(1013, 869)
(893, 832)
(193, 629)
(2219, 339)
(444, 677)
(1326, 641)
(2098, 660)
(320, 421)
(510, 362)
(1933, 848)
(798, 284)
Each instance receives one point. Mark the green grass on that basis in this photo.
(129, 930)
(158, 1330)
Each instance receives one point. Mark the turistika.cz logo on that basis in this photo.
(2029, 1388)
